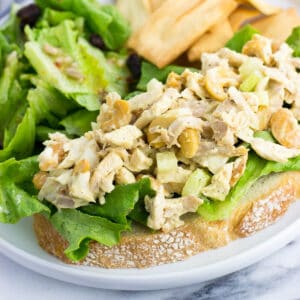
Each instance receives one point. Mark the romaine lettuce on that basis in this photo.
(294, 41)
(240, 38)
(122, 201)
(104, 20)
(15, 202)
(79, 229)
(150, 71)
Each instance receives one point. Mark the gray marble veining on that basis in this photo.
(276, 277)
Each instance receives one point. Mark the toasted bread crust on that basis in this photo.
(263, 205)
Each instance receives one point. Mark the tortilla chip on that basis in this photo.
(175, 26)
(211, 41)
(136, 12)
(265, 8)
(280, 26)
(242, 16)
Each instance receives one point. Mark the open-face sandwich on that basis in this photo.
(210, 156)
(123, 164)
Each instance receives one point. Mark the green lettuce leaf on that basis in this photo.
(104, 20)
(294, 41)
(79, 122)
(150, 71)
(79, 229)
(48, 104)
(22, 143)
(256, 168)
(240, 38)
(99, 72)
(15, 179)
(122, 201)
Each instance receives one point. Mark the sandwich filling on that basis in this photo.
(192, 137)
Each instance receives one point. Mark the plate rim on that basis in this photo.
(82, 276)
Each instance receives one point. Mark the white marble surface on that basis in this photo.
(277, 277)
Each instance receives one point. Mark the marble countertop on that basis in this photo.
(277, 277)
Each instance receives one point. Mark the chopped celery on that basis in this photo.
(249, 66)
(166, 164)
(249, 84)
(196, 182)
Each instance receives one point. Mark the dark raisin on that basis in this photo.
(29, 15)
(97, 41)
(134, 64)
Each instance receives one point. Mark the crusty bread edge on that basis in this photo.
(141, 248)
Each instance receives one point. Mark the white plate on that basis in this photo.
(18, 243)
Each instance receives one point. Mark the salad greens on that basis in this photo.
(16, 199)
(79, 229)
(241, 37)
(102, 19)
(294, 41)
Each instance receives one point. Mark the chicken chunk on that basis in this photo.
(103, 175)
(220, 183)
(126, 136)
(165, 213)
(158, 108)
(272, 151)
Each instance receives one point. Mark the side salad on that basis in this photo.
(58, 61)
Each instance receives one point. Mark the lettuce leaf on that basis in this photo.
(240, 38)
(104, 20)
(122, 201)
(79, 229)
(255, 169)
(294, 41)
(79, 122)
(99, 72)
(22, 143)
(150, 71)
(15, 202)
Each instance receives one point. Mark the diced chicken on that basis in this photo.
(242, 104)
(57, 194)
(239, 167)
(272, 151)
(193, 83)
(222, 133)
(158, 108)
(259, 46)
(103, 175)
(124, 176)
(77, 149)
(54, 152)
(212, 60)
(234, 58)
(114, 114)
(165, 213)
(139, 161)
(143, 101)
(126, 136)
(220, 183)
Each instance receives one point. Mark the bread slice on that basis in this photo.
(264, 203)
